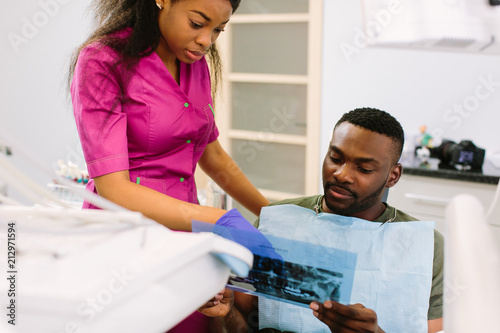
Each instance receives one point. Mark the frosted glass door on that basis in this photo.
(271, 166)
(273, 6)
(269, 48)
(269, 108)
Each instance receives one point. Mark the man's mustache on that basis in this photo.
(341, 186)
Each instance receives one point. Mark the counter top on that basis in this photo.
(490, 174)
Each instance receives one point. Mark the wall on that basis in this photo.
(443, 90)
(419, 87)
(38, 37)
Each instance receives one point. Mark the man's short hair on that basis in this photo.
(377, 121)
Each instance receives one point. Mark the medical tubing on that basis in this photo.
(494, 203)
(94, 199)
(34, 192)
(26, 186)
(9, 201)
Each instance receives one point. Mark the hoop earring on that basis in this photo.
(159, 5)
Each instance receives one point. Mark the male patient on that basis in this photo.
(361, 162)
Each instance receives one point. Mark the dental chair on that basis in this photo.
(472, 267)
(493, 213)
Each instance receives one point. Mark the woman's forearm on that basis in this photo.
(173, 213)
(219, 166)
(242, 190)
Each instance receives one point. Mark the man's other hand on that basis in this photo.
(346, 318)
(220, 305)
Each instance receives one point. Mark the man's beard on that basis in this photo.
(356, 206)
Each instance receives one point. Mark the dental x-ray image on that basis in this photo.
(291, 281)
(288, 270)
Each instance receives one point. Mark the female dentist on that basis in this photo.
(142, 99)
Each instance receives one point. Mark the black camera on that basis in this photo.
(459, 156)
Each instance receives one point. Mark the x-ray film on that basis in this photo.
(290, 271)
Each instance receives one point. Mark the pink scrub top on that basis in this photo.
(155, 128)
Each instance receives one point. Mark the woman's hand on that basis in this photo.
(220, 305)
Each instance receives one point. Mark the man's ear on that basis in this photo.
(395, 174)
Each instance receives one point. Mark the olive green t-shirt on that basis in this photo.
(436, 299)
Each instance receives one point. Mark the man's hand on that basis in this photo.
(346, 318)
(225, 317)
(220, 305)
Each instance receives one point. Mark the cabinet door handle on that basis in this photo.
(428, 199)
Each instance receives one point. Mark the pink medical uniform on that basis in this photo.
(155, 128)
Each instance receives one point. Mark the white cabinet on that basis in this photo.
(456, 25)
(426, 198)
(268, 112)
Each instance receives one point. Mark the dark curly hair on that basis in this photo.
(377, 121)
(111, 16)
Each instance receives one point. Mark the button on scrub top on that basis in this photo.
(153, 127)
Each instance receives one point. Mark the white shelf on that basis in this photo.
(268, 137)
(268, 78)
(270, 18)
(276, 195)
(309, 23)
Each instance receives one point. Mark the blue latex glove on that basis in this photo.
(234, 219)
(235, 227)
